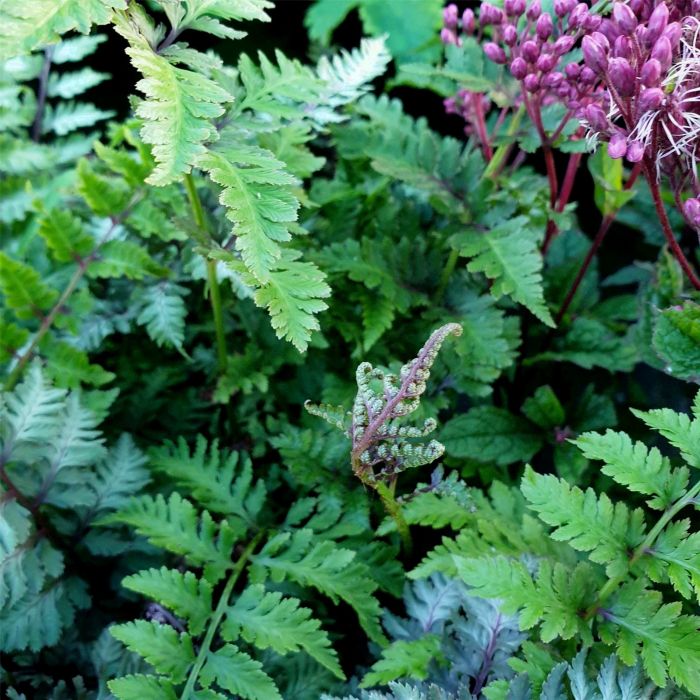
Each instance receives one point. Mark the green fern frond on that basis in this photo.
(180, 102)
(269, 621)
(33, 24)
(24, 290)
(163, 313)
(176, 526)
(404, 658)
(65, 235)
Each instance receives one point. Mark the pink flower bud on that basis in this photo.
(546, 62)
(588, 76)
(495, 53)
(449, 16)
(692, 211)
(595, 115)
(510, 35)
(490, 14)
(514, 8)
(552, 80)
(617, 147)
(468, 21)
(573, 70)
(622, 48)
(531, 82)
(530, 51)
(591, 22)
(450, 105)
(663, 52)
(563, 44)
(624, 17)
(657, 24)
(578, 15)
(651, 99)
(518, 68)
(673, 33)
(562, 7)
(635, 151)
(650, 74)
(544, 26)
(447, 36)
(622, 76)
(594, 54)
(534, 11)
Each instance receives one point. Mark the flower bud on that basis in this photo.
(622, 76)
(656, 25)
(617, 147)
(552, 80)
(518, 68)
(588, 76)
(531, 82)
(495, 53)
(450, 105)
(573, 70)
(591, 22)
(534, 11)
(546, 62)
(635, 151)
(596, 117)
(563, 44)
(663, 52)
(468, 21)
(563, 7)
(691, 210)
(544, 26)
(510, 35)
(514, 8)
(490, 14)
(673, 33)
(578, 15)
(650, 75)
(530, 51)
(624, 17)
(594, 53)
(622, 48)
(447, 36)
(449, 16)
(651, 99)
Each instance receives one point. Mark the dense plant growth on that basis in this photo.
(221, 473)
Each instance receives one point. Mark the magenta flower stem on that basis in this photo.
(650, 174)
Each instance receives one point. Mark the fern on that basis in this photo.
(638, 621)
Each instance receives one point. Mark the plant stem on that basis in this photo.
(393, 508)
(212, 280)
(218, 615)
(499, 157)
(568, 183)
(42, 94)
(666, 225)
(644, 547)
(446, 274)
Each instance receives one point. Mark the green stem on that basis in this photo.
(218, 615)
(393, 509)
(212, 280)
(496, 163)
(644, 547)
(446, 274)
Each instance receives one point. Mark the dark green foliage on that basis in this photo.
(184, 264)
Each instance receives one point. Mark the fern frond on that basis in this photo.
(590, 523)
(183, 593)
(404, 658)
(635, 466)
(163, 314)
(270, 621)
(324, 566)
(180, 102)
(221, 481)
(25, 292)
(73, 83)
(169, 652)
(30, 25)
(258, 201)
(509, 255)
(175, 525)
(138, 687)
(65, 235)
(235, 671)
(67, 117)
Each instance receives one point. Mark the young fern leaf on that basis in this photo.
(180, 101)
(382, 400)
(35, 23)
